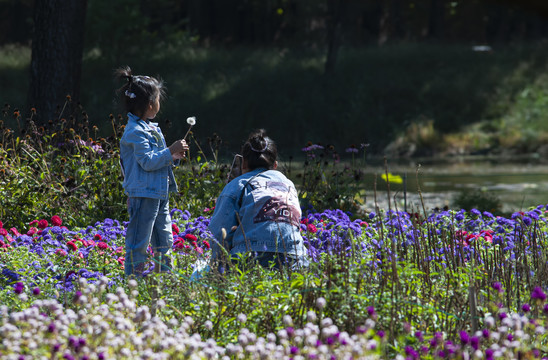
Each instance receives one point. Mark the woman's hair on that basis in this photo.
(138, 91)
(259, 151)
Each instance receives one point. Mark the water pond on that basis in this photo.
(518, 183)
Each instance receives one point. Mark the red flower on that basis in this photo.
(72, 245)
(15, 232)
(102, 245)
(42, 224)
(312, 228)
(98, 237)
(206, 244)
(3, 231)
(304, 221)
(195, 244)
(175, 229)
(179, 245)
(364, 224)
(56, 220)
(191, 237)
(33, 222)
(1, 224)
(60, 252)
(32, 231)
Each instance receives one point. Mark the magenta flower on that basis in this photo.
(537, 293)
(18, 288)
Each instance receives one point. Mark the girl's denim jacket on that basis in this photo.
(264, 207)
(146, 160)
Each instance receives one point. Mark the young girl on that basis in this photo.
(146, 163)
(259, 211)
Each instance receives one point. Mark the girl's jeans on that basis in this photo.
(149, 223)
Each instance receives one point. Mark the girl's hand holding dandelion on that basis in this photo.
(179, 147)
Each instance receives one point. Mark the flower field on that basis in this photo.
(392, 285)
(388, 284)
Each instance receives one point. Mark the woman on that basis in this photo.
(258, 212)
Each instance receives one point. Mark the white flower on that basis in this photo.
(191, 120)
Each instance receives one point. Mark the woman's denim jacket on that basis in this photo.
(146, 160)
(264, 207)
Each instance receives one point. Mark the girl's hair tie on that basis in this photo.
(261, 150)
(130, 95)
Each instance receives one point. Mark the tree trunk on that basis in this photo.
(56, 62)
(335, 10)
(436, 19)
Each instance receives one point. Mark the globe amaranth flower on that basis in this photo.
(18, 288)
(320, 303)
(36, 291)
(464, 337)
(526, 308)
(538, 293)
(497, 286)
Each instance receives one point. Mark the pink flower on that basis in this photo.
(191, 237)
(102, 245)
(175, 229)
(60, 252)
(32, 231)
(1, 224)
(15, 232)
(206, 244)
(311, 228)
(364, 224)
(56, 220)
(72, 245)
(98, 237)
(42, 224)
(3, 232)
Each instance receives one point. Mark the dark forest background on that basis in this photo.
(424, 77)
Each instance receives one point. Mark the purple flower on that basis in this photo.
(497, 286)
(18, 288)
(294, 350)
(464, 337)
(36, 291)
(537, 293)
(476, 212)
(526, 308)
(51, 327)
(474, 342)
